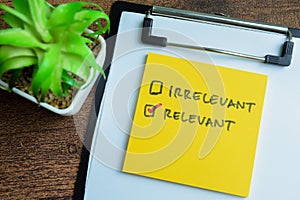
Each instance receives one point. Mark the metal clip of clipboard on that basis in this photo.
(283, 60)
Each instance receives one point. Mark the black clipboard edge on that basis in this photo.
(115, 14)
(295, 32)
(116, 11)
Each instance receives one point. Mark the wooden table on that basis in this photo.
(40, 151)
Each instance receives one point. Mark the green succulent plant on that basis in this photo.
(51, 40)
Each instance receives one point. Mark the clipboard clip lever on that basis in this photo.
(147, 36)
(282, 60)
(286, 55)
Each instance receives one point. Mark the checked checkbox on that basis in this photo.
(146, 110)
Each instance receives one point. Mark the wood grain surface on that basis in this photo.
(40, 151)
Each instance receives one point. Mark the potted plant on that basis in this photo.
(46, 53)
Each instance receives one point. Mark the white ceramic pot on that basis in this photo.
(79, 97)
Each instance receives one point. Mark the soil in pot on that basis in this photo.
(23, 83)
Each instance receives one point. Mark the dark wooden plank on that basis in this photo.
(39, 164)
(40, 151)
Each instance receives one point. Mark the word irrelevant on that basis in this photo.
(210, 99)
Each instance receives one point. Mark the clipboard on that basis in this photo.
(99, 175)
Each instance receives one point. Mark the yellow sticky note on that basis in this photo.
(196, 124)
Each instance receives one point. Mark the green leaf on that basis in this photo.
(44, 88)
(20, 38)
(48, 74)
(86, 17)
(48, 11)
(15, 75)
(66, 88)
(22, 7)
(69, 80)
(92, 61)
(38, 12)
(39, 54)
(76, 65)
(7, 52)
(95, 5)
(12, 20)
(64, 14)
(17, 63)
(56, 78)
(75, 44)
(19, 15)
(74, 17)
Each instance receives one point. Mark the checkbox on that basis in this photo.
(146, 111)
(156, 87)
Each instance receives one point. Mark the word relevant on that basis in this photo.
(201, 120)
(210, 99)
